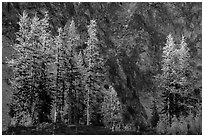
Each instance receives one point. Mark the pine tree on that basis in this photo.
(94, 70)
(30, 70)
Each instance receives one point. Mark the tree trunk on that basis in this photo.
(57, 93)
(87, 113)
(76, 115)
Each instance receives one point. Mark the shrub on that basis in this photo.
(182, 126)
(162, 126)
(155, 116)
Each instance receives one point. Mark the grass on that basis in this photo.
(48, 129)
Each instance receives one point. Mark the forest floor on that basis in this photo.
(48, 129)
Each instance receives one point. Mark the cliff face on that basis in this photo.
(125, 77)
(6, 75)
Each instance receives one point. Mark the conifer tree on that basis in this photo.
(112, 109)
(184, 57)
(81, 69)
(31, 96)
(168, 75)
(173, 81)
(67, 85)
(94, 70)
(59, 86)
(73, 75)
